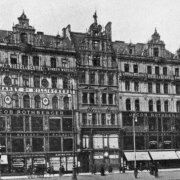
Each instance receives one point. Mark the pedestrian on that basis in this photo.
(94, 169)
(135, 172)
(110, 168)
(156, 171)
(102, 170)
(123, 169)
(52, 170)
(151, 169)
(140, 166)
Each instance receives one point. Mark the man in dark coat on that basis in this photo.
(102, 170)
(156, 171)
(94, 169)
(135, 172)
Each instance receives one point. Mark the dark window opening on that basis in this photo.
(35, 61)
(94, 119)
(37, 123)
(53, 62)
(26, 81)
(156, 52)
(66, 102)
(165, 88)
(157, 70)
(54, 124)
(157, 87)
(101, 79)
(37, 100)
(126, 67)
(17, 123)
(149, 69)
(111, 99)
(92, 78)
(96, 61)
(110, 80)
(37, 81)
(177, 72)
(91, 98)
(152, 124)
(24, 38)
(55, 102)
(136, 86)
(84, 98)
(104, 98)
(82, 78)
(103, 119)
(54, 143)
(25, 61)
(67, 144)
(13, 60)
(84, 118)
(166, 105)
(67, 124)
(37, 144)
(127, 85)
(128, 105)
(135, 68)
(165, 71)
(177, 88)
(26, 101)
(137, 106)
(158, 106)
(150, 105)
(17, 145)
(54, 82)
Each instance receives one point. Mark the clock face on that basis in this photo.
(7, 99)
(45, 101)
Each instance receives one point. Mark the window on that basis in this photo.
(101, 79)
(25, 80)
(13, 60)
(157, 70)
(94, 119)
(127, 120)
(84, 98)
(152, 124)
(64, 64)
(110, 99)
(177, 88)
(149, 69)
(37, 144)
(7, 80)
(35, 61)
(165, 71)
(15, 99)
(135, 68)
(17, 145)
(54, 124)
(37, 100)
(91, 98)
(67, 124)
(130, 51)
(104, 98)
(37, 123)
(96, 61)
(136, 86)
(65, 83)
(158, 106)
(17, 123)
(126, 67)
(178, 106)
(37, 81)
(85, 141)
(92, 78)
(54, 144)
(24, 60)
(165, 88)
(82, 78)
(137, 106)
(26, 101)
(67, 144)
(14, 80)
(128, 104)
(103, 119)
(95, 45)
(127, 85)
(24, 38)
(110, 79)
(166, 104)
(54, 82)
(177, 72)
(55, 102)
(53, 62)
(157, 87)
(156, 52)
(2, 123)
(166, 124)
(66, 103)
(112, 119)
(84, 118)
(150, 105)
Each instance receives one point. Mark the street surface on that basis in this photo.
(164, 175)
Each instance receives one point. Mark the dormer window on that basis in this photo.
(156, 52)
(95, 45)
(24, 38)
(96, 61)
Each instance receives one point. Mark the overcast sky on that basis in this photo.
(133, 20)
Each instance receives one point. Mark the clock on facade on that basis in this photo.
(7, 99)
(45, 101)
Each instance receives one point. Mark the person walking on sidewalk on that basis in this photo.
(102, 170)
(135, 172)
(110, 168)
(94, 169)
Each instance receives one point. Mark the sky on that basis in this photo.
(132, 20)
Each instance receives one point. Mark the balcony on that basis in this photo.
(99, 126)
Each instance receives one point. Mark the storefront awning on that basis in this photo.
(4, 159)
(163, 155)
(178, 154)
(140, 156)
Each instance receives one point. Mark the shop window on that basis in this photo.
(137, 105)
(140, 143)
(104, 98)
(37, 100)
(67, 124)
(128, 104)
(177, 124)
(127, 121)
(113, 141)
(3, 143)
(165, 88)
(24, 60)
(152, 142)
(26, 101)
(178, 106)
(128, 143)
(177, 72)
(35, 61)
(149, 69)
(84, 118)
(152, 124)
(65, 83)
(85, 141)
(13, 60)
(126, 67)
(149, 87)
(67, 144)
(55, 102)
(54, 124)
(166, 124)
(91, 78)
(110, 79)
(112, 119)
(17, 123)
(165, 71)
(135, 68)
(24, 38)
(150, 105)
(156, 52)
(82, 78)
(177, 88)
(25, 80)
(14, 79)
(15, 99)
(166, 105)
(66, 103)
(54, 82)
(84, 98)
(27, 125)
(97, 141)
(101, 79)
(96, 61)
(36, 123)
(157, 87)
(158, 106)
(140, 121)
(53, 62)
(37, 81)
(94, 119)
(110, 98)
(91, 98)
(136, 86)
(103, 119)
(37, 145)
(157, 70)
(127, 85)
(17, 145)
(2, 123)
(54, 144)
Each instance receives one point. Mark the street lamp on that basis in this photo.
(134, 137)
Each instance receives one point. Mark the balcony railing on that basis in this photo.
(99, 126)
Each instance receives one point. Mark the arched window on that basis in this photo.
(103, 119)
(94, 119)
(158, 106)
(55, 102)
(66, 103)
(128, 104)
(65, 83)
(84, 118)
(26, 101)
(137, 107)
(24, 38)
(53, 62)
(150, 105)
(156, 52)
(178, 106)
(166, 104)
(15, 100)
(37, 100)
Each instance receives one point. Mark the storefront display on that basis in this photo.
(55, 162)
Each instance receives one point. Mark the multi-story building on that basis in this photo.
(35, 100)
(99, 127)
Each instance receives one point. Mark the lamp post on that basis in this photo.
(134, 138)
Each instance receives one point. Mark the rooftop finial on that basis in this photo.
(95, 17)
(155, 30)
